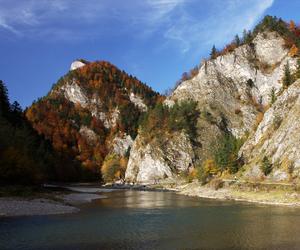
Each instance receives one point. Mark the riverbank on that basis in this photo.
(29, 201)
(247, 192)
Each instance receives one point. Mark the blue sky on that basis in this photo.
(155, 40)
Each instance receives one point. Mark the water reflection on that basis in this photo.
(157, 220)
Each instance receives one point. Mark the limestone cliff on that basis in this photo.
(232, 91)
(149, 162)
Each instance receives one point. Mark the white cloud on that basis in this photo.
(182, 23)
(222, 20)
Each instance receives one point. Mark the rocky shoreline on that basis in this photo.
(265, 197)
(52, 203)
(23, 207)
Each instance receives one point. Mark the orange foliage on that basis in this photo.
(59, 120)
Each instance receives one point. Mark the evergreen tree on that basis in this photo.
(4, 100)
(287, 79)
(237, 40)
(266, 166)
(213, 53)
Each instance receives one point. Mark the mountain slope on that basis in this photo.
(91, 112)
(234, 91)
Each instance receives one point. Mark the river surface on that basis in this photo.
(156, 220)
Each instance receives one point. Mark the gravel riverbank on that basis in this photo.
(22, 207)
(277, 197)
(54, 203)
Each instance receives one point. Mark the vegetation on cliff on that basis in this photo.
(107, 112)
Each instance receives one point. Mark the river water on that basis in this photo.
(156, 220)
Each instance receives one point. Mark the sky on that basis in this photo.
(154, 40)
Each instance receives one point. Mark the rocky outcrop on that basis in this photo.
(150, 162)
(73, 92)
(121, 144)
(277, 137)
(138, 101)
(89, 134)
(231, 91)
(76, 65)
(235, 84)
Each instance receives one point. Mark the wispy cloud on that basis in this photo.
(181, 23)
(219, 22)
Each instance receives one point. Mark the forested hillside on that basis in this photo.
(25, 156)
(91, 116)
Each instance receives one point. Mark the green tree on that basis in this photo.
(237, 40)
(213, 53)
(4, 100)
(225, 153)
(266, 166)
(288, 78)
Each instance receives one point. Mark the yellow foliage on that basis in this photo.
(113, 168)
(292, 25)
(210, 167)
(293, 51)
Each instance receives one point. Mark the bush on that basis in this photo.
(113, 168)
(202, 176)
(216, 184)
(266, 167)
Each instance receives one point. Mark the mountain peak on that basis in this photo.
(76, 65)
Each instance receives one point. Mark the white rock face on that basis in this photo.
(89, 134)
(277, 136)
(222, 85)
(150, 163)
(121, 144)
(76, 65)
(269, 48)
(138, 101)
(75, 94)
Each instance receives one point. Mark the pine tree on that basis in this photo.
(237, 40)
(287, 79)
(266, 166)
(4, 100)
(213, 53)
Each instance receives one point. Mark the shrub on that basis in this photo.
(266, 166)
(210, 167)
(113, 168)
(237, 111)
(217, 183)
(272, 96)
(202, 176)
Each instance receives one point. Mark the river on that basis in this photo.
(128, 219)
